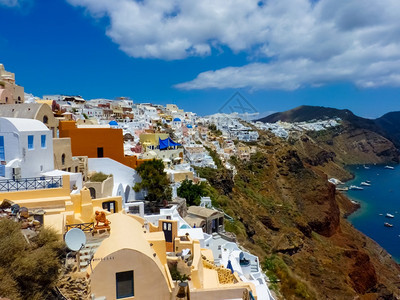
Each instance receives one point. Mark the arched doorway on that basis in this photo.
(92, 192)
(127, 192)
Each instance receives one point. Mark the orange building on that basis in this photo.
(97, 142)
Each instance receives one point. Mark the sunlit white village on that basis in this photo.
(69, 164)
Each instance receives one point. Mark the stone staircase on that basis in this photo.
(92, 244)
(253, 268)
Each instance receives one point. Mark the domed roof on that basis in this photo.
(177, 120)
(189, 126)
(112, 122)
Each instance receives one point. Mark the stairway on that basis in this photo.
(92, 244)
(253, 268)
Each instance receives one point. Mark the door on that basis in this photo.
(167, 228)
(110, 206)
(100, 152)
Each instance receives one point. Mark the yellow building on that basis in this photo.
(243, 152)
(63, 159)
(151, 140)
(63, 209)
(135, 259)
(132, 263)
(10, 93)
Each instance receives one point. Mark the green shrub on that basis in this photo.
(8, 285)
(192, 192)
(98, 177)
(277, 271)
(28, 271)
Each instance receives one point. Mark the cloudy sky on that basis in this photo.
(197, 53)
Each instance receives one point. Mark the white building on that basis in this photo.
(91, 112)
(124, 178)
(26, 148)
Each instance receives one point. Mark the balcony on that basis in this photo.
(35, 183)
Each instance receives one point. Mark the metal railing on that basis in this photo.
(35, 183)
(85, 227)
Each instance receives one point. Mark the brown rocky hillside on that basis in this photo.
(287, 212)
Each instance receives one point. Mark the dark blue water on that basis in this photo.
(383, 196)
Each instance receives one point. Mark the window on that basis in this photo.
(30, 142)
(45, 119)
(100, 152)
(63, 159)
(43, 141)
(124, 284)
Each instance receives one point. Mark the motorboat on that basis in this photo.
(355, 187)
(342, 188)
(389, 167)
(388, 224)
(365, 183)
(366, 167)
(389, 216)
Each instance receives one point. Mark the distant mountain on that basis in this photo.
(307, 113)
(388, 125)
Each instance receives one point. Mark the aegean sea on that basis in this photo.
(378, 199)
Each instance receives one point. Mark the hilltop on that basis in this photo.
(387, 126)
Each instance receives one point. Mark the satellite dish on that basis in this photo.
(75, 239)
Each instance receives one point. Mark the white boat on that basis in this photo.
(365, 183)
(389, 216)
(342, 188)
(355, 187)
(389, 167)
(387, 224)
(366, 167)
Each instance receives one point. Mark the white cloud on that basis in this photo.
(22, 5)
(9, 3)
(307, 43)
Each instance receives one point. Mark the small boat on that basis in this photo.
(381, 214)
(366, 167)
(368, 181)
(388, 224)
(342, 189)
(389, 167)
(389, 216)
(355, 187)
(365, 183)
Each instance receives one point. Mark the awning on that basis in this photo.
(168, 142)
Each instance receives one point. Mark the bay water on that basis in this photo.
(378, 199)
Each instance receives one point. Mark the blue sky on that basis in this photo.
(197, 54)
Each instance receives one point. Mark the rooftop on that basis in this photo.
(26, 124)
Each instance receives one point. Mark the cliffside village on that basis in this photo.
(50, 148)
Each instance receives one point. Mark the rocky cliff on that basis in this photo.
(287, 212)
